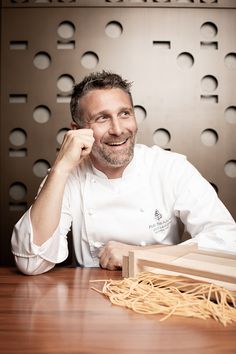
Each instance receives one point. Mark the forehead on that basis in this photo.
(104, 99)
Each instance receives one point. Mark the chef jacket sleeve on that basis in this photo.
(206, 218)
(33, 259)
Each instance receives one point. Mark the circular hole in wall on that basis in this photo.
(209, 1)
(89, 60)
(208, 30)
(17, 191)
(19, 1)
(230, 61)
(140, 113)
(40, 168)
(209, 137)
(161, 137)
(209, 83)
(17, 137)
(230, 168)
(185, 60)
(184, 1)
(114, 29)
(230, 114)
(65, 83)
(41, 114)
(66, 29)
(60, 135)
(42, 60)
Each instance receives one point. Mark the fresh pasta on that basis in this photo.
(151, 293)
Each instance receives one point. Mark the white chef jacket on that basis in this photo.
(143, 207)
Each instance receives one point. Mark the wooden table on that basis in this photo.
(58, 313)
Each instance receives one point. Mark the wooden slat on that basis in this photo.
(125, 267)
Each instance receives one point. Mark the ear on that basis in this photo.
(74, 126)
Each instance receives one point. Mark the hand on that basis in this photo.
(111, 255)
(77, 144)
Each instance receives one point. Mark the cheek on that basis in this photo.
(133, 126)
(98, 133)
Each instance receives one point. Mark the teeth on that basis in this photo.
(117, 144)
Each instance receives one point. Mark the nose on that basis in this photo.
(115, 127)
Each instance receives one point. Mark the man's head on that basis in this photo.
(95, 81)
(102, 102)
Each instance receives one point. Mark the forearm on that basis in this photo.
(46, 210)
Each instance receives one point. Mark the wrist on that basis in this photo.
(61, 170)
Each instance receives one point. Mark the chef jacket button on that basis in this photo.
(94, 180)
(142, 210)
(143, 243)
(90, 211)
(98, 244)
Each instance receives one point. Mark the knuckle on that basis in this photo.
(110, 243)
(69, 133)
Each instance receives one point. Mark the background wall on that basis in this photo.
(180, 54)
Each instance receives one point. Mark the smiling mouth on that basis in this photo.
(117, 143)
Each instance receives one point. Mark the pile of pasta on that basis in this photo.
(151, 293)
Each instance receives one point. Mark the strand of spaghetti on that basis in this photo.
(97, 290)
(170, 313)
(142, 311)
(130, 290)
(209, 293)
(219, 302)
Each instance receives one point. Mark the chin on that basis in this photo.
(116, 162)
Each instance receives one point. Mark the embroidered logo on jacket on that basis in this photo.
(157, 215)
(160, 225)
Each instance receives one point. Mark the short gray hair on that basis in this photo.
(95, 81)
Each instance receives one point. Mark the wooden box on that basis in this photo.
(187, 260)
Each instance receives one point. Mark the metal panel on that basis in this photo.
(177, 55)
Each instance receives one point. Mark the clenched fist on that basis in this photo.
(111, 255)
(77, 144)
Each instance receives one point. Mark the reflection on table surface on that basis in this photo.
(58, 312)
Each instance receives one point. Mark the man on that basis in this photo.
(116, 195)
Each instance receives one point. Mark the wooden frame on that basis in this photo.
(187, 260)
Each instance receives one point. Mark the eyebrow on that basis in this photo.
(106, 111)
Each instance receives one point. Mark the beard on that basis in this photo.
(113, 157)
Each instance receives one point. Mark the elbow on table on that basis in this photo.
(30, 266)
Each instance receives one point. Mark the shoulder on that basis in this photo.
(157, 155)
(165, 165)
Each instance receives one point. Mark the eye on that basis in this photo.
(125, 114)
(101, 119)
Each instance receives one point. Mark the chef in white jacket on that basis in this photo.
(115, 194)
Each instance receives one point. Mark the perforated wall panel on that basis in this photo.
(181, 56)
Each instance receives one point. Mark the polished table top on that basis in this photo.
(58, 312)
